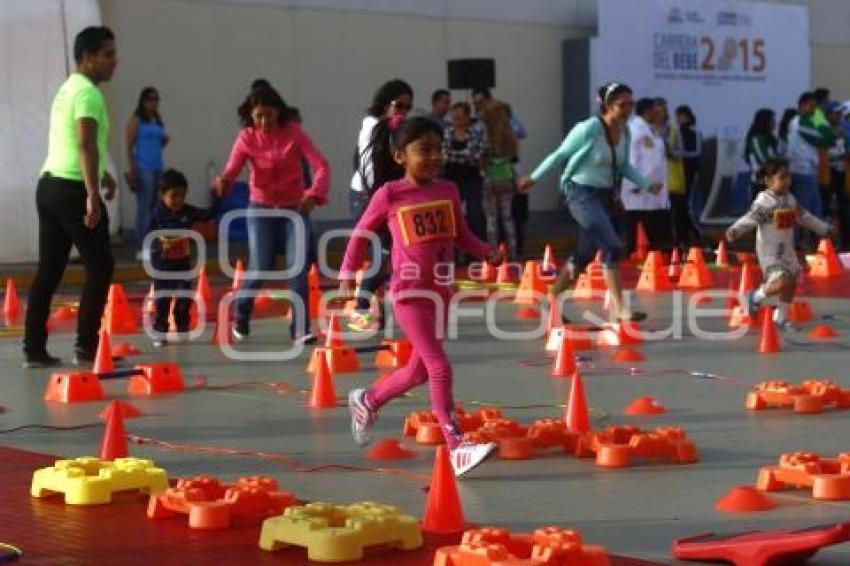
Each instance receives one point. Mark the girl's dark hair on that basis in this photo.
(770, 168)
(264, 97)
(384, 143)
(388, 92)
(688, 113)
(140, 108)
(609, 92)
(785, 122)
(761, 125)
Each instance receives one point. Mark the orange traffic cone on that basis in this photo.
(722, 255)
(565, 362)
(103, 357)
(314, 292)
(644, 406)
(333, 338)
(748, 280)
(641, 244)
(531, 285)
(827, 263)
(769, 342)
(800, 312)
(548, 264)
(114, 443)
(744, 499)
(488, 272)
(675, 269)
(238, 275)
(527, 313)
(577, 416)
(117, 316)
(11, 304)
(628, 355)
(731, 298)
(322, 395)
(221, 333)
(127, 410)
(554, 321)
(203, 294)
(695, 275)
(125, 350)
(443, 511)
(822, 332)
(653, 277)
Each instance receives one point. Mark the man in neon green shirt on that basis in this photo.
(70, 210)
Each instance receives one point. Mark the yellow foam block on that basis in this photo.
(336, 533)
(92, 481)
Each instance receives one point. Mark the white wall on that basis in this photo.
(202, 57)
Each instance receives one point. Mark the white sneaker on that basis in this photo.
(467, 455)
(238, 334)
(362, 419)
(160, 343)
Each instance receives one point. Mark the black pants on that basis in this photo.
(682, 226)
(519, 212)
(61, 206)
(182, 304)
(657, 225)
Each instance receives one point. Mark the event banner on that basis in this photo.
(724, 58)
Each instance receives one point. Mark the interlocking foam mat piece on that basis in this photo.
(52, 533)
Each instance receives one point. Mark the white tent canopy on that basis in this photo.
(30, 73)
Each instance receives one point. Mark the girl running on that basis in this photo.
(426, 223)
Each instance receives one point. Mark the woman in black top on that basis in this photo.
(463, 151)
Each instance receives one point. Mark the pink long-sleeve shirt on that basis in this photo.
(426, 223)
(277, 179)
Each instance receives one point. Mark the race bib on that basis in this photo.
(175, 248)
(784, 218)
(434, 220)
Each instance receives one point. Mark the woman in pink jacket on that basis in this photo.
(426, 222)
(273, 144)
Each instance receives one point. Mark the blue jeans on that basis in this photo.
(263, 234)
(358, 201)
(806, 192)
(147, 188)
(594, 211)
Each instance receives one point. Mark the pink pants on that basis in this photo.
(419, 320)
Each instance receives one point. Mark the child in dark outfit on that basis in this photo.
(173, 252)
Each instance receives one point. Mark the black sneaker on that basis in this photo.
(306, 339)
(39, 361)
(240, 332)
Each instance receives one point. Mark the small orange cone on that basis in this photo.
(388, 449)
(695, 275)
(505, 274)
(675, 269)
(532, 285)
(722, 255)
(238, 275)
(117, 316)
(103, 357)
(488, 271)
(748, 280)
(731, 298)
(114, 443)
(628, 355)
(443, 511)
(11, 304)
(577, 416)
(644, 406)
(527, 313)
(641, 244)
(800, 312)
(822, 332)
(769, 341)
(826, 263)
(744, 499)
(221, 333)
(333, 338)
(554, 321)
(125, 350)
(565, 362)
(653, 277)
(203, 294)
(322, 395)
(314, 292)
(548, 264)
(127, 410)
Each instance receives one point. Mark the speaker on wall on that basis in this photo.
(471, 73)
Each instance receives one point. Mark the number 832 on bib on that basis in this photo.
(428, 221)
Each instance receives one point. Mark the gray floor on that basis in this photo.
(636, 511)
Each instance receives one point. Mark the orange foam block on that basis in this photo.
(156, 378)
(73, 387)
(396, 356)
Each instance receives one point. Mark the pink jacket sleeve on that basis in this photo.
(238, 156)
(373, 217)
(319, 165)
(466, 240)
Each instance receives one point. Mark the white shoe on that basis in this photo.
(467, 455)
(362, 419)
(160, 343)
(238, 334)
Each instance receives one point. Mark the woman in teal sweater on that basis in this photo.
(596, 152)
